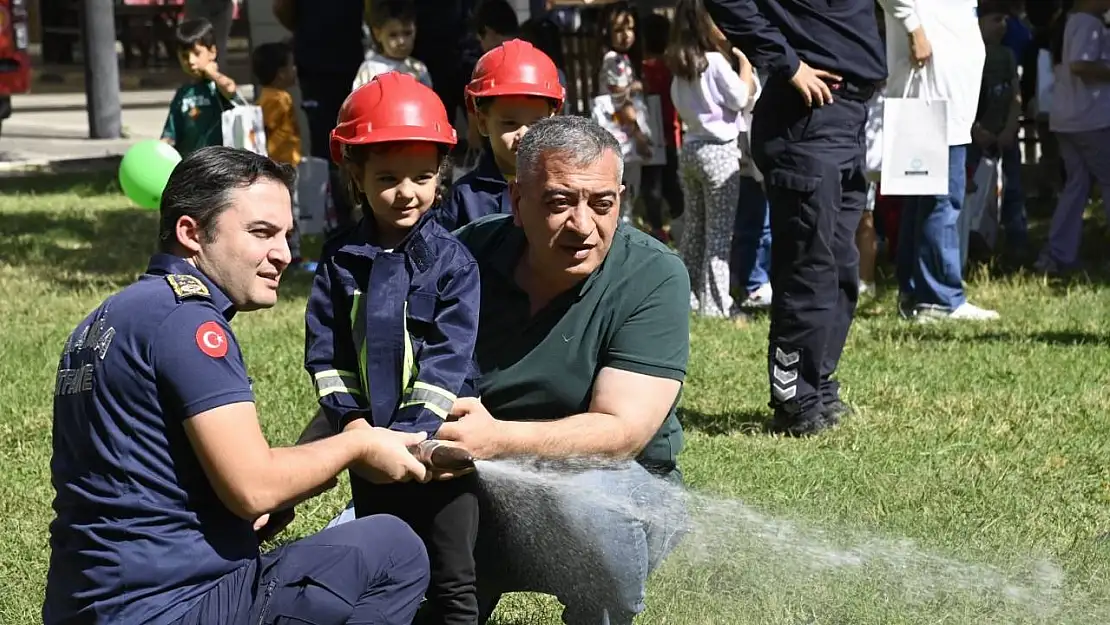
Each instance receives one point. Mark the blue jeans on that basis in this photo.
(751, 237)
(1013, 218)
(592, 543)
(928, 261)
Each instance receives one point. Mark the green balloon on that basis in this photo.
(145, 170)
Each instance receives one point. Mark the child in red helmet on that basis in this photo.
(513, 86)
(393, 316)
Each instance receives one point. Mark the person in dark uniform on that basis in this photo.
(449, 47)
(327, 50)
(821, 65)
(164, 482)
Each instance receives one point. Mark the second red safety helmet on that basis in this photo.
(515, 67)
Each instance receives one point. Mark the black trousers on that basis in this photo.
(812, 160)
(445, 516)
(658, 184)
(322, 95)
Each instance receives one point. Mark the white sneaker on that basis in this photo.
(964, 312)
(971, 312)
(759, 298)
(866, 289)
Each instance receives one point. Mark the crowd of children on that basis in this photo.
(707, 185)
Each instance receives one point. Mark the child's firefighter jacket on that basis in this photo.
(389, 334)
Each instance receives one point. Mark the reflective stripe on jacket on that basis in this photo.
(389, 334)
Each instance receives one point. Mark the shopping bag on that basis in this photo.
(873, 134)
(313, 196)
(979, 215)
(915, 142)
(1046, 79)
(243, 127)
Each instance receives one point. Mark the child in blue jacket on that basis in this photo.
(513, 86)
(393, 317)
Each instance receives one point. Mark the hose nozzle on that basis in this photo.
(442, 457)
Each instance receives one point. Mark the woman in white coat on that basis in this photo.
(938, 42)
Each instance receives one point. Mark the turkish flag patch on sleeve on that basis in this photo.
(211, 339)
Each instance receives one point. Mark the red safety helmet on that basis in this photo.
(391, 107)
(515, 67)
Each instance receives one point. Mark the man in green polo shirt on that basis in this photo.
(582, 347)
(583, 342)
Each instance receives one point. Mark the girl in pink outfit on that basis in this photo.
(710, 97)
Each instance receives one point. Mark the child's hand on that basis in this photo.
(741, 57)
(626, 115)
(636, 87)
(212, 70)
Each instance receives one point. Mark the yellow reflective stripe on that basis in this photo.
(336, 381)
(358, 333)
(408, 366)
(431, 397)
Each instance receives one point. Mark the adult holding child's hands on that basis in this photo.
(581, 352)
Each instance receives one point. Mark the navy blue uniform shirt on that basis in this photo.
(840, 36)
(139, 533)
(389, 334)
(482, 191)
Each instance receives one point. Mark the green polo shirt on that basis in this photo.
(195, 118)
(632, 313)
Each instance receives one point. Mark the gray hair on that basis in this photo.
(581, 139)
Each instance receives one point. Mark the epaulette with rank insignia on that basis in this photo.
(185, 286)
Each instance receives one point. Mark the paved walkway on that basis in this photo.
(52, 129)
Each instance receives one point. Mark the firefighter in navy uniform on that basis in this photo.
(823, 60)
(162, 476)
(392, 318)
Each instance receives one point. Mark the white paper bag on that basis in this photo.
(915, 143)
(979, 214)
(243, 127)
(313, 196)
(1046, 79)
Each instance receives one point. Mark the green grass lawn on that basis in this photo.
(984, 445)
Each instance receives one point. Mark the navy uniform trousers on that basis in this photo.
(370, 571)
(812, 160)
